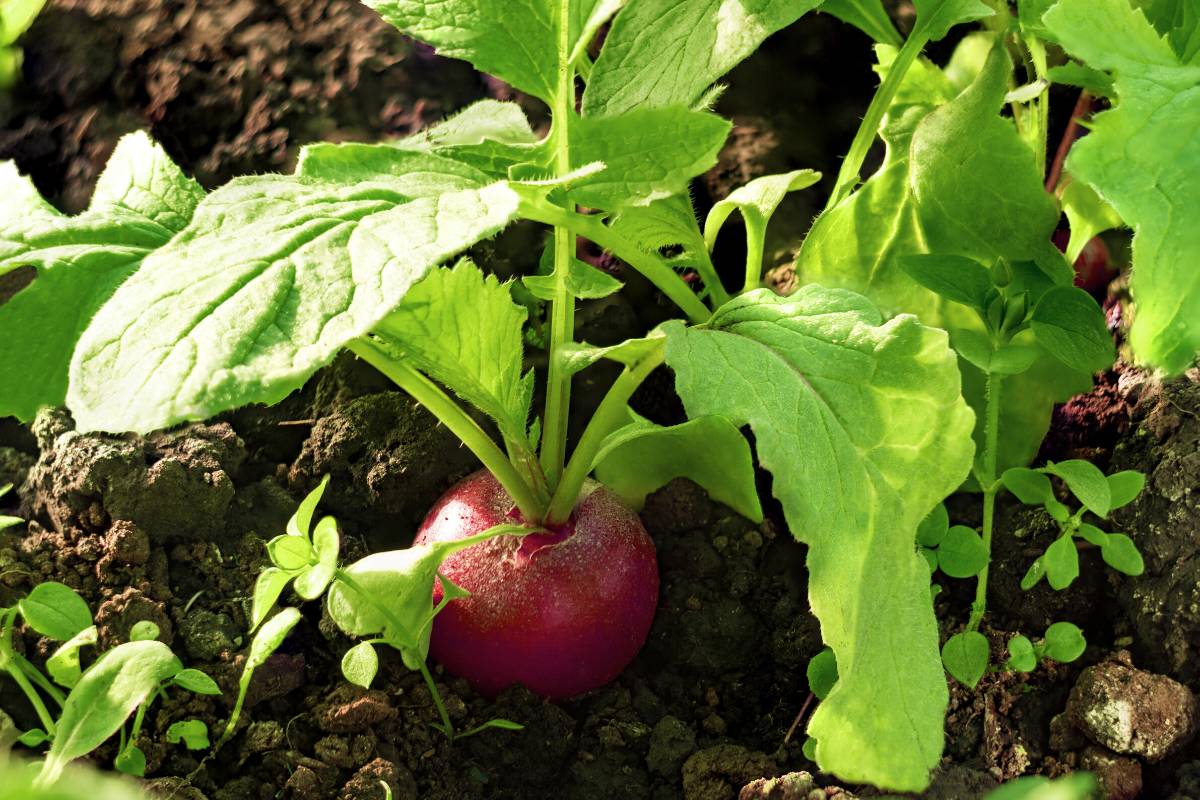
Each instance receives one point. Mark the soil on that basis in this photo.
(170, 528)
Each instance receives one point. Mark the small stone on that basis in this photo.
(1131, 711)
(175, 788)
(671, 741)
(694, 604)
(1120, 778)
(753, 539)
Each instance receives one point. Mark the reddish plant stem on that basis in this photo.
(799, 716)
(1083, 107)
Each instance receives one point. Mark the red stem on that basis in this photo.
(1083, 107)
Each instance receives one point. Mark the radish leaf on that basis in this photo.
(864, 429)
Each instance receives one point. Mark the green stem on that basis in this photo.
(1041, 106)
(562, 307)
(987, 477)
(40, 680)
(611, 415)
(35, 699)
(138, 720)
(452, 415)
(447, 725)
(851, 168)
(651, 266)
(10, 664)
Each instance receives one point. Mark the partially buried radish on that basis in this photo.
(559, 611)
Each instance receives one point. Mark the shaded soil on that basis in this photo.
(170, 528)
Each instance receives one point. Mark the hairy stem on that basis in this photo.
(452, 415)
(851, 168)
(608, 417)
(987, 478)
(651, 266)
(562, 307)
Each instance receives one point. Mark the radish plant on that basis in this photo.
(162, 303)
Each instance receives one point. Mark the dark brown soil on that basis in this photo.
(170, 528)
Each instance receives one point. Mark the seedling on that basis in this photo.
(192, 304)
(123, 680)
(384, 596)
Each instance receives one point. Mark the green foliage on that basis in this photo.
(265, 642)
(438, 328)
(1076, 786)
(642, 457)
(1099, 495)
(693, 45)
(55, 610)
(120, 681)
(902, 244)
(141, 200)
(796, 369)
(757, 201)
(1139, 157)
(193, 733)
(306, 561)
(19, 779)
(965, 656)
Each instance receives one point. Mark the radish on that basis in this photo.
(561, 611)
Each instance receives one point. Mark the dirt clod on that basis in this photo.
(349, 709)
(719, 772)
(792, 786)
(671, 741)
(368, 783)
(1131, 711)
(1120, 778)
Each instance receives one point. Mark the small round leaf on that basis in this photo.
(933, 528)
(192, 732)
(822, 673)
(1021, 656)
(1064, 642)
(962, 553)
(290, 552)
(143, 631)
(965, 656)
(360, 664)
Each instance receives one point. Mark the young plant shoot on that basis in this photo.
(162, 303)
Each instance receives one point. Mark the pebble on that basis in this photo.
(1131, 711)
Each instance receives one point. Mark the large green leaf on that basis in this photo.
(956, 180)
(141, 200)
(1141, 157)
(643, 457)
(863, 426)
(664, 52)
(273, 276)
(489, 135)
(515, 41)
(648, 154)
(464, 330)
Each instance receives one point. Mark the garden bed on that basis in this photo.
(169, 528)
